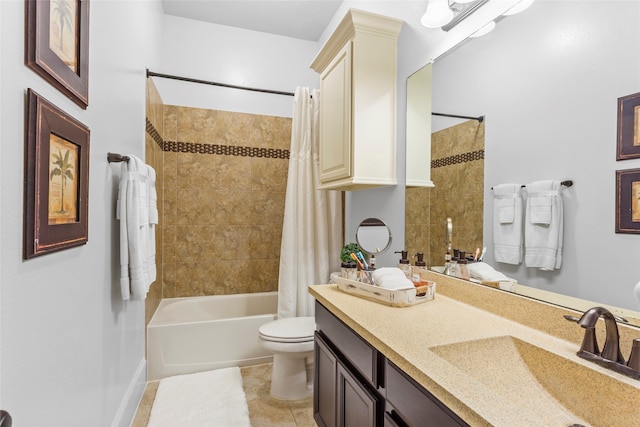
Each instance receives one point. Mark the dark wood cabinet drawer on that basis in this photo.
(415, 405)
(358, 352)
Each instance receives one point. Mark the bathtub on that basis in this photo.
(187, 335)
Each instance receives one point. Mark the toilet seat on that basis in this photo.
(290, 330)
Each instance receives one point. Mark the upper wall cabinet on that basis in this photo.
(358, 69)
(419, 128)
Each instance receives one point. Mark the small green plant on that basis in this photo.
(347, 250)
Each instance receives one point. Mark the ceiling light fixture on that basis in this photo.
(464, 13)
(438, 13)
(446, 14)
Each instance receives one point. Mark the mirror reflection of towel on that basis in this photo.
(543, 225)
(539, 207)
(507, 223)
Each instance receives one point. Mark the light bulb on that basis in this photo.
(438, 14)
(519, 7)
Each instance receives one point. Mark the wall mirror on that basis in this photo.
(373, 236)
(547, 82)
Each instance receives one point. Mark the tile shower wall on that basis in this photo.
(457, 170)
(225, 178)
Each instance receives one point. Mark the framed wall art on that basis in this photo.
(629, 127)
(628, 201)
(56, 192)
(57, 45)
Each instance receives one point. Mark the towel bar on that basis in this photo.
(567, 183)
(116, 158)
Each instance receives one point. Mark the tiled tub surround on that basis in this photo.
(457, 170)
(466, 313)
(225, 179)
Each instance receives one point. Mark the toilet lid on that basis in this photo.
(294, 329)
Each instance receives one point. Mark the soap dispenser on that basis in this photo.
(420, 261)
(403, 264)
(419, 267)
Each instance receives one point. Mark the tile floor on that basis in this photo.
(264, 411)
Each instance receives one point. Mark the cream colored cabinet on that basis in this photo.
(358, 70)
(419, 128)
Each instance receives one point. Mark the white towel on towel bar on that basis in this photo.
(138, 214)
(543, 229)
(507, 223)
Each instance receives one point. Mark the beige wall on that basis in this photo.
(457, 170)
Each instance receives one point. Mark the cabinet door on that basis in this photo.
(335, 118)
(324, 384)
(357, 406)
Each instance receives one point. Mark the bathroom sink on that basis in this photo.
(555, 391)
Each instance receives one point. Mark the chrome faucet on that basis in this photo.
(610, 357)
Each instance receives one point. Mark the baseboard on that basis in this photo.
(129, 405)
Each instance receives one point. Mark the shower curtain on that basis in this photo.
(311, 233)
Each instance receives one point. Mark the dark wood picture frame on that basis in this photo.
(628, 127)
(65, 63)
(628, 201)
(56, 160)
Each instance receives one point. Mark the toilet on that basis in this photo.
(291, 342)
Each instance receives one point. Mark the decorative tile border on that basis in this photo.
(458, 158)
(223, 150)
(153, 132)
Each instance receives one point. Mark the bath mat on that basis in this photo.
(212, 399)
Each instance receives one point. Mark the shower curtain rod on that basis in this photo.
(480, 119)
(206, 82)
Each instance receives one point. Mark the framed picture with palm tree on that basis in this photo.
(56, 193)
(57, 45)
(629, 127)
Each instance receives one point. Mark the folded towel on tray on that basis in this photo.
(391, 278)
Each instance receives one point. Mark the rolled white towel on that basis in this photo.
(483, 271)
(391, 278)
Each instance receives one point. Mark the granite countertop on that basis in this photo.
(415, 338)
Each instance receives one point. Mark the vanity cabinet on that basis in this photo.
(357, 121)
(356, 386)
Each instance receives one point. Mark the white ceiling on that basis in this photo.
(301, 19)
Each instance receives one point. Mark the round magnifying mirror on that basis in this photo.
(373, 236)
